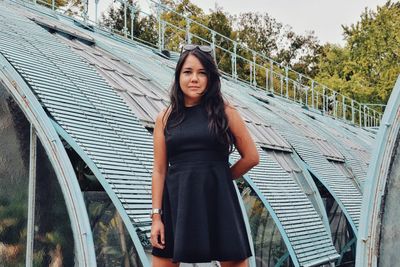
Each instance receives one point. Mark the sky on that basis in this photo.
(324, 17)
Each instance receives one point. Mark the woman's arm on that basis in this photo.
(157, 237)
(159, 165)
(244, 143)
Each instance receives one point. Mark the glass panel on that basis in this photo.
(342, 234)
(53, 242)
(113, 244)
(14, 177)
(270, 249)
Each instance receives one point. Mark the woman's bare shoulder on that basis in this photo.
(163, 115)
(230, 109)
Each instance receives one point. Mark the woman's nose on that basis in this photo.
(194, 77)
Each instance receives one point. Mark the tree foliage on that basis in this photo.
(364, 69)
(367, 67)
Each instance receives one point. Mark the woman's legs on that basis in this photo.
(242, 263)
(163, 262)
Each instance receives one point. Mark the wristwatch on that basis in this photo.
(155, 211)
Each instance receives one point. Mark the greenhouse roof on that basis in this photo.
(104, 92)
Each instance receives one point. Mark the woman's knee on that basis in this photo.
(241, 263)
(163, 262)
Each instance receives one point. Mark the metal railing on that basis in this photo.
(256, 69)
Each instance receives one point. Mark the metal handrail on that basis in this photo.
(276, 78)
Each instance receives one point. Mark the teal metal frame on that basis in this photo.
(375, 182)
(346, 213)
(275, 218)
(83, 239)
(318, 199)
(118, 205)
(252, 260)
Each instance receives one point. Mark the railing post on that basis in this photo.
(251, 72)
(306, 88)
(266, 79)
(344, 107)
(132, 8)
(254, 70)
(281, 79)
(359, 109)
(213, 45)
(162, 35)
(188, 35)
(323, 100)
(160, 45)
(312, 93)
(299, 79)
(85, 9)
(53, 4)
(234, 73)
(334, 104)
(96, 4)
(365, 116)
(374, 118)
(125, 20)
(317, 104)
(287, 81)
(352, 111)
(271, 76)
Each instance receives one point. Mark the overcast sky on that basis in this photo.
(324, 17)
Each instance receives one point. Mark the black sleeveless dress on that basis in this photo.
(202, 217)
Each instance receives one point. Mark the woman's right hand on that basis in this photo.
(157, 229)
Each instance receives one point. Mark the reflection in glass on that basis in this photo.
(269, 247)
(342, 234)
(53, 242)
(14, 177)
(113, 244)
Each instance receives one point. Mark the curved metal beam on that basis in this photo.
(117, 203)
(346, 213)
(276, 220)
(375, 182)
(252, 260)
(317, 198)
(83, 240)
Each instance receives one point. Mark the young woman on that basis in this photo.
(196, 215)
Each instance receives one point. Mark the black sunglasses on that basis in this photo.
(190, 47)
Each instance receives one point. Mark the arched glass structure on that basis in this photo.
(14, 179)
(269, 247)
(343, 236)
(53, 238)
(113, 244)
(27, 177)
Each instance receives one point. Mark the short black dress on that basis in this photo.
(202, 216)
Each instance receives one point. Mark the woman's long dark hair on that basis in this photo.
(212, 98)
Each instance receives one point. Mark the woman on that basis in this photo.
(196, 215)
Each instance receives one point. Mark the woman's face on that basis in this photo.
(193, 80)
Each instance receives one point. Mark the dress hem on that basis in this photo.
(204, 260)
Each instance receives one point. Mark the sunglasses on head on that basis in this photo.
(190, 47)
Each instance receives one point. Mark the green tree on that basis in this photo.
(221, 22)
(144, 28)
(367, 67)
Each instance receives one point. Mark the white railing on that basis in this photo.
(257, 69)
